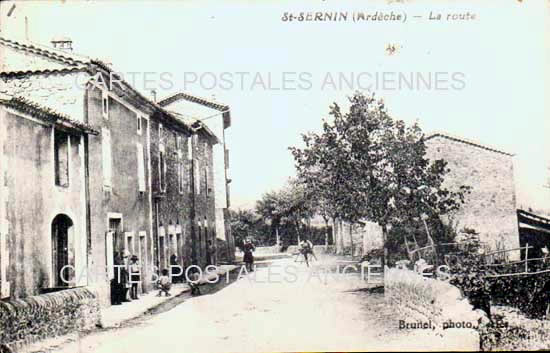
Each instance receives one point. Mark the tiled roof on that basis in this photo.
(46, 114)
(60, 56)
(76, 63)
(193, 123)
(10, 74)
(465, 141)
(195, 99)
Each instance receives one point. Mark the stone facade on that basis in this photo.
(490, 209)
(47, 162)
(119, 191)
(116, 200)
(183, 202)
(216, 119)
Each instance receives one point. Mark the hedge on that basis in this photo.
(23, 321)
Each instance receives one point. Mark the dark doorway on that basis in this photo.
(62, 251)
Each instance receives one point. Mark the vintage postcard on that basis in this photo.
(274, 176)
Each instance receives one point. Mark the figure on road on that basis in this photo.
(248, 254)
(164, 283)
(306, 248)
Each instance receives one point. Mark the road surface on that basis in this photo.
(285, 306)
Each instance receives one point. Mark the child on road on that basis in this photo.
(164, 284)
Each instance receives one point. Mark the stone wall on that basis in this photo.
(490, 209)
(28, 320)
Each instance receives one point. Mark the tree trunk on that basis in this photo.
(384, 238)
(278, 239)
(326, 234)
(297, 231)
(351, 238)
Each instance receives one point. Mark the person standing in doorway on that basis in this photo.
(211, 253)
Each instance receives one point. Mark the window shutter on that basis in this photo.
(196, 176)
(141, 167)
(189, 149)
(106, 157)
(109, 253)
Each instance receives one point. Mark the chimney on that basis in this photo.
(154, 95)
(62, 43)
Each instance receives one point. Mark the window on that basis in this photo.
(140, 167)
(160, 132)
(61, 158)
(178, 142)
(138, 118)
(162, 171)
(106, 157)
(196, 176)
(189, 149)
(105, 104)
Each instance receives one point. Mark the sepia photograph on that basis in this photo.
(274, 176)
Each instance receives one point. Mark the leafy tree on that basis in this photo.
(289, 206)
(374, 167)
(244, 223)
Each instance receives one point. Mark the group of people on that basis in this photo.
(127, 276)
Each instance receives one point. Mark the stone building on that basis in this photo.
(141, 179)
(182, 182)
(42, 199)
(216, 118)
(490, 209)
(116, 161)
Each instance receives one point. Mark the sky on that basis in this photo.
(275, 74)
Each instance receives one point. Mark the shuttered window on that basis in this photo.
(196, 176)
(140, 167)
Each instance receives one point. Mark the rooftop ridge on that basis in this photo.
(192, 98)
(466, 141)
(51, 53)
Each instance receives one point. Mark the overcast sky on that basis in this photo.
(500, 57)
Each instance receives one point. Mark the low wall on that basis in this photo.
(417, 299)
(28, 320)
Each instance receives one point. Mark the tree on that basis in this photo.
(244, 223)
(374, 167)
(289, 206)
(271, 207)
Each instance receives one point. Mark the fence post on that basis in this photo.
(526, 257)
